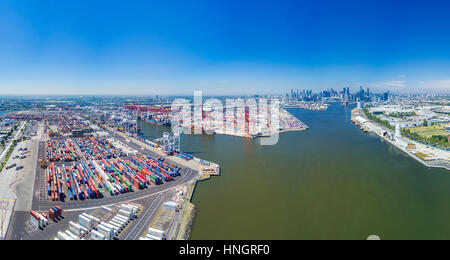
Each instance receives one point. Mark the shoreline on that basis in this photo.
(183, 226)
(371, 128)
(188, 213)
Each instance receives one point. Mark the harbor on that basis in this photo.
(366, 187)
(79, 168)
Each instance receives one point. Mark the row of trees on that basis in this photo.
(435, 140)
(11, 149)
(8, 135)
(402, 114)
(372, 117)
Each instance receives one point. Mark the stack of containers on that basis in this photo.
(55, 213)
(156, 234)
(145, 171)
(76, 229)
(123, 221)
(117, 227)
(170, 205)
(82, 181)
(131, 171)
(61, 150)
(98, 148)
(182, 155)
(85, 221)
(55, 189)
(153, 167)
(108, 232)
(35, 219)
(203, 162)
(126, 214)
(63, 236)
(72, 235)
(95, 235)
(105, 178)
(117, 183)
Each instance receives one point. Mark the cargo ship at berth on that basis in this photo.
(159, 121)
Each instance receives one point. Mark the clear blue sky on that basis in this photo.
(223, 47)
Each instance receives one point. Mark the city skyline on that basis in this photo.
(239, 48)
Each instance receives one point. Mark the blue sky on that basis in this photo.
(223, 47)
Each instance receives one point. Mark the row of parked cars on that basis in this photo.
(25, 152)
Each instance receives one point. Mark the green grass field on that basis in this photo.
(431, 133)
(427, 128)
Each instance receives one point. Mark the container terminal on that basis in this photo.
(74, 180)
(248, 124)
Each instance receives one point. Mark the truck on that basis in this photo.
(11, 166)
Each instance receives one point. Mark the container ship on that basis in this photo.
(158, 120)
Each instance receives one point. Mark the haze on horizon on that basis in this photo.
(229, 47)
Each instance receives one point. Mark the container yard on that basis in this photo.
(101, 224)
(61, 150)
(107, 170)
(98, 148)
(89, 172)
(66, 123)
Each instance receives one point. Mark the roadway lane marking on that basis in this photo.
(157, 201)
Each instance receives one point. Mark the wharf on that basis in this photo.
(195, 163)
(401, 142)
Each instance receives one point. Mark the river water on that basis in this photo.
(329, 182)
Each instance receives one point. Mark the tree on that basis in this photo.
(44, 164)
(425, 123)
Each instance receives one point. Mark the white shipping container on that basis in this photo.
(120, 221)
(76, 228)
(107, 209)
(44, 221)
(125, 213)
(170, 205)
(72, 235)
(63, 236)
(116, 226)
(95, 235)
(110, 227)
(85, 222)
(83, 229)
(135, 208)
(127, 208)
(156, 232)
(144, 238)
(151, 237)
(88, 216)
(35, 222)
(105, 231)
(121, 217)
(115, 223)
